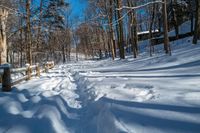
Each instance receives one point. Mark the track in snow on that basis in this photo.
(71, 98)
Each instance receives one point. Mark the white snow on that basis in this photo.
(159, 94)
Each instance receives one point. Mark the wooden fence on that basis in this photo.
(35, 70)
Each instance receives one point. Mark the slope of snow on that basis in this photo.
(183, 28)
(159, 94)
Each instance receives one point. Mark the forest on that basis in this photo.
(99, 66)
(43, 30)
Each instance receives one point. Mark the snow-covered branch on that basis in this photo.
(137, 7)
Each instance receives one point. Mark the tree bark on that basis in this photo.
(197, 23)
(175, 21)
(133, 30)
(28, 32)
(191, 15)
(63, 53)
(151, 28)
(40, 24)
(112, 38)
(165, 27)
(3, 45)
(121, 33)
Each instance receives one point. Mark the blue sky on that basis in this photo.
(78, 7)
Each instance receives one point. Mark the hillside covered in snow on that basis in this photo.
(158, 94)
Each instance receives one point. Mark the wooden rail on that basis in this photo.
(35, 70)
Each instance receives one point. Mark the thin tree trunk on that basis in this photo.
(28, 32)
(135, 34)
(165, 27)
(191, 15)
(3, 45)
(133, 30)
(116, 29)
(175, 21)
(151, 28)
(21, 43)
(112, 40)
(197, 23)
(63, 53)
(76, 44)
(69, 51)
(121, 32)
(40, 24)
(104, 43)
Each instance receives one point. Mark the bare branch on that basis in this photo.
(137, 7)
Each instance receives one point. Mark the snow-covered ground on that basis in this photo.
(159, 94)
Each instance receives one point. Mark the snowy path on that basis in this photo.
(143, 101)
(52, 103)
(68, 100)
(159, 94)
(49, 101)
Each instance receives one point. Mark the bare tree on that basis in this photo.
(28, 32)
(133, 29)
(165, 27)
(3, 44)
(197, 23)
(121, 31)
(153, 12)
(112, 35)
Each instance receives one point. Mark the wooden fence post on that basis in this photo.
(28, 72)
(37, 70)
(46, 68)
(52, 64)
(6, 78)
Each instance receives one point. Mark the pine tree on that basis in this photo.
(55, 19)
(54, 13)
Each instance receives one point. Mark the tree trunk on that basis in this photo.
(3, 45)
(165, 27)
(104, 43)
(40, 24)
(111, 32)
(174, 20)
(76, 44)
(197, 23)
(28, 32)
(151, 28)
(68, 51)
(191, 15)
(133, 30)
(63, 53)
(121, 32)
(135, 34)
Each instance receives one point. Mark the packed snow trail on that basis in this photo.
(159, 94)
(53, 104)
(46, 104)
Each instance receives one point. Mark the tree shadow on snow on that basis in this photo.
(124, 110)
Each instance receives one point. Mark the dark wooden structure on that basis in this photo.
(6, 71)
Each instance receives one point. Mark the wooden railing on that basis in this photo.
(35, 70)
